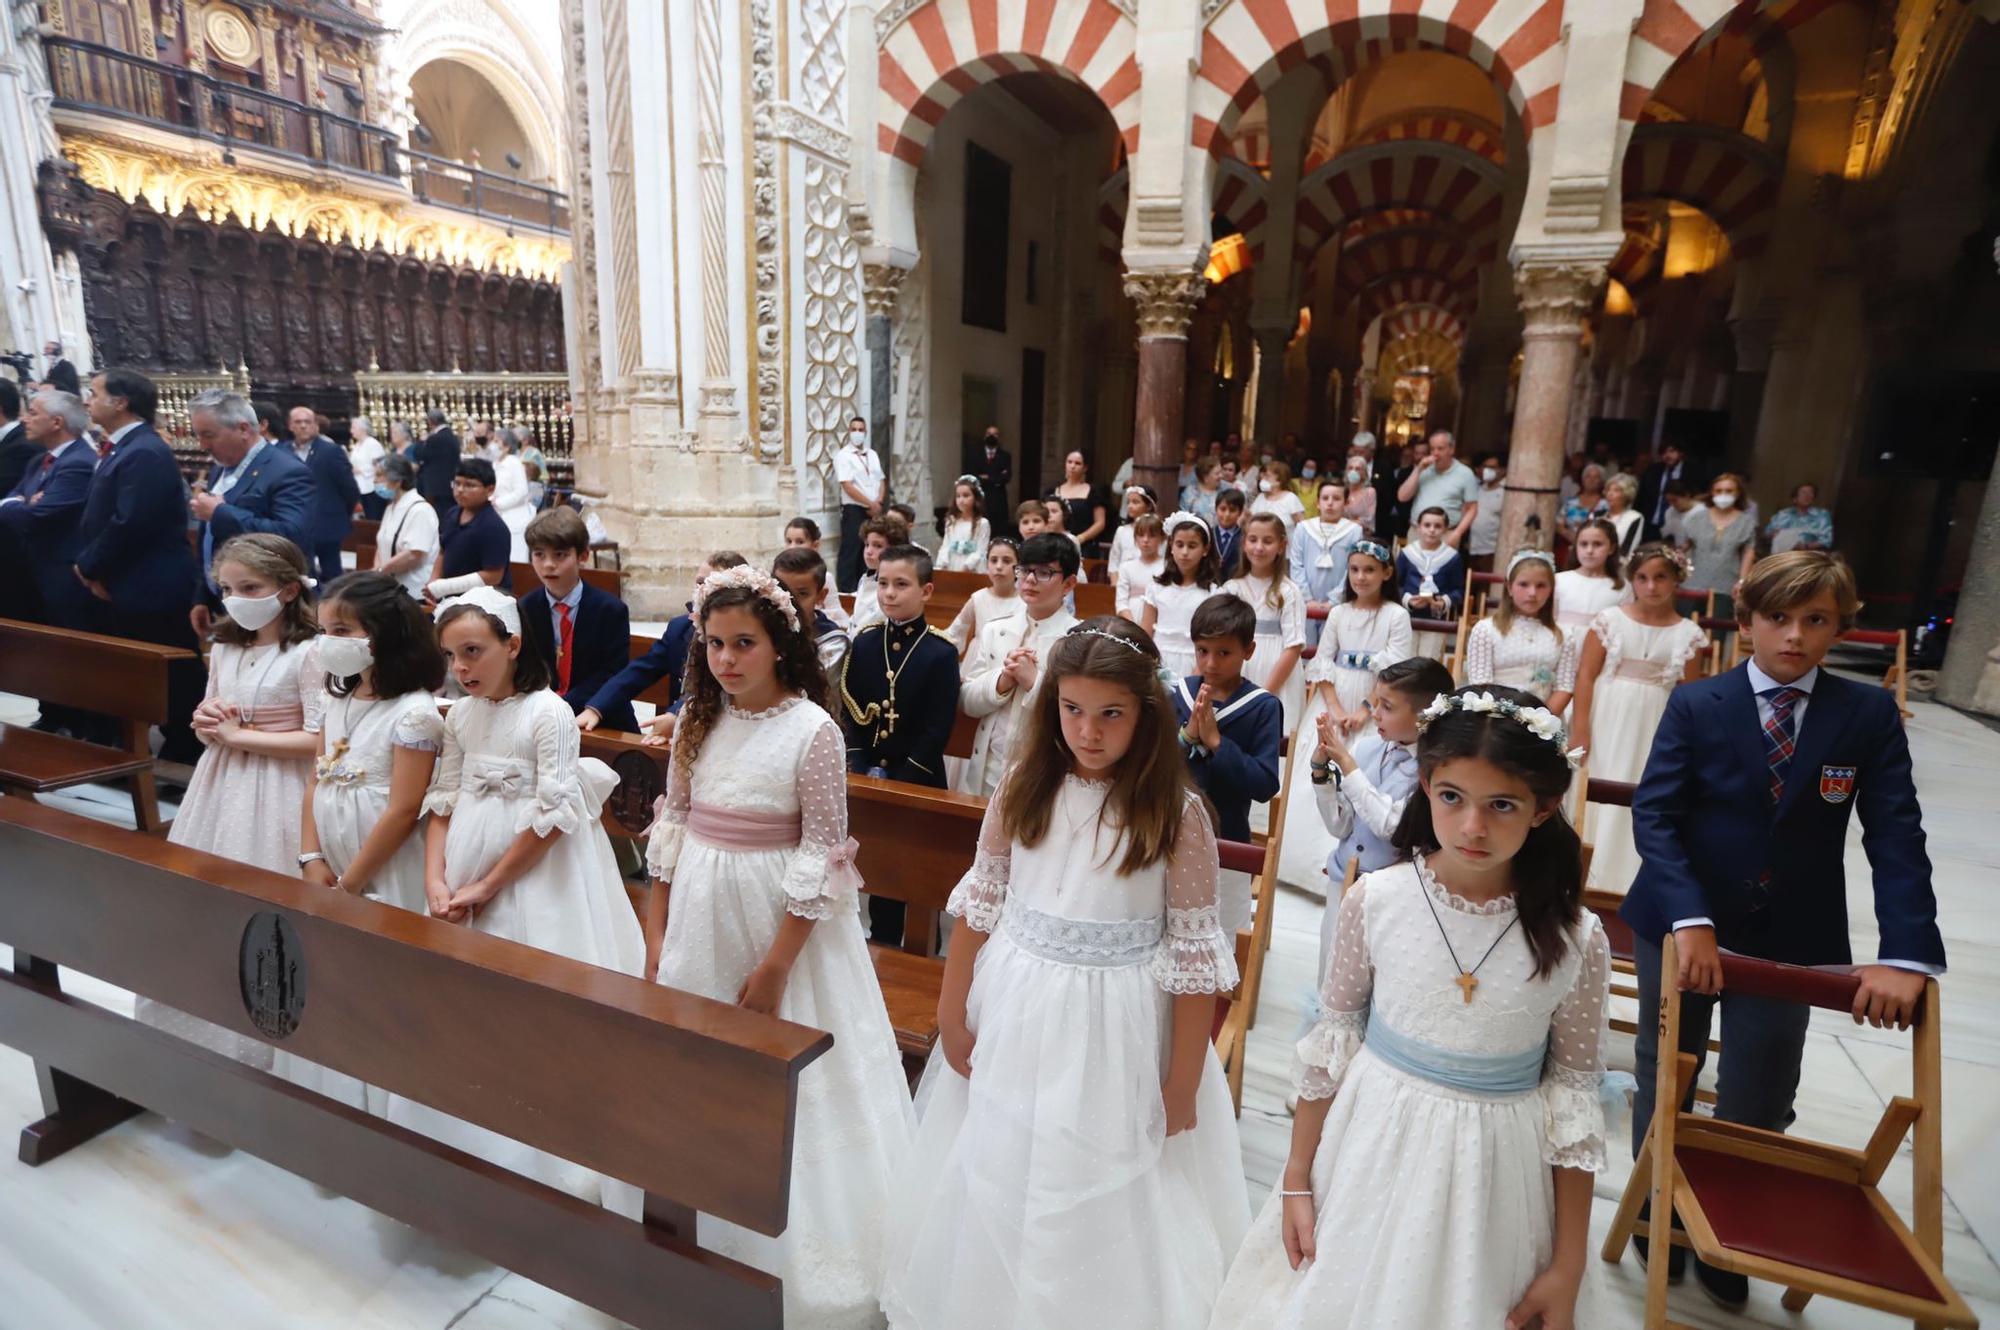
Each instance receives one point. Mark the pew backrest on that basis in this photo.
(110, 675)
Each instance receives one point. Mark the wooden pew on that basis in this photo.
(108, 675)
(689, 1100)
(360, 542)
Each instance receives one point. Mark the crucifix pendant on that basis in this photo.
(889, 716)
(1466, 983)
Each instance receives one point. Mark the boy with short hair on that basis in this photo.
(803, 573)
(904, 513)
(877, 535)
(1680, 502)
(1032, 518)
(666, 660)
(1230, 728)
(1229, 528)
(1432, 574)
(898, 687)
(582, 634)
(1005, 668)
(1741, 820)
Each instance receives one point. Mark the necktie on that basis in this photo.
(104, 447)
(563, 646)
(1780, 736)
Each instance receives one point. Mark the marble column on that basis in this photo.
(1165, 303)
(1555, 299)
(1271, 343)
(881, 286)
(1364, 401)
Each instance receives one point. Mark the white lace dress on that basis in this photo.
(1354, 645)
(1435, 1201)
(245, 806)
(854, 1123)
(1528, 656)
(360, 742)
(1279, 627)
(1580, 598)
(964, 546)
(1642, 666)
(1044, 1193)
(1174, 608)
(508, 767)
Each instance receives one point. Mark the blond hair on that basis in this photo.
(1786, 581)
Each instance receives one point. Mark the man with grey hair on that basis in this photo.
(253, 486)
(40, 519)
(1442, 481)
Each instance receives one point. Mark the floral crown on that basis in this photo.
(1673, 554)
(1538, 721)
(973, 481)
(1379, 553)
(754, 580)
(1523, 556)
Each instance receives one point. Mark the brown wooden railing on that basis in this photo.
(499, 198)
(89, 77)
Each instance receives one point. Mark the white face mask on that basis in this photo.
(858, 437)
(1308, 473)
(1267, 485)
(345, 657)
(1489, 474)
(252, 614)
(1724, 500)
(1354, 477)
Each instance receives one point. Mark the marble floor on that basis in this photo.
(154, 1228)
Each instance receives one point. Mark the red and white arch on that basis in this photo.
(1453, 183)
(1730, 176)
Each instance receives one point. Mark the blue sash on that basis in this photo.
(1475, 1073)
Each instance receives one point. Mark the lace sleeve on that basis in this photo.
(821, 876)
(983, 890)
(669, 829)
(418, 726)
(1479, 653)
(1292, 618)
(1572, 1113)
(1691, 641)
(1195, 955)
(1570, 647)
(1319, 1060)
(312, 689)
(442, 798)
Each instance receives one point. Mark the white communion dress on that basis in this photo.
(1279, 628)
(1642, 666)
(1528, 656)
(1044, 1193)
(1579, 598)
(1432, 1184)
(508, 767)
(758, 831)
(1174, 608)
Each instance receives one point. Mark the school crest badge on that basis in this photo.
(1836, 784)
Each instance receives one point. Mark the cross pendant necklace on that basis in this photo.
(1468, 980)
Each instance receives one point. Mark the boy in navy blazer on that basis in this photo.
(667, 659)
(1741, 824)
(583, 634)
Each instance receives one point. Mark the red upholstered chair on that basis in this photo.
(1792, 1211)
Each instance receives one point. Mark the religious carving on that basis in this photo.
(882, 285)
(793, 125)
(833, 360)
(769, 383)
(1165, 301)
(583, 214)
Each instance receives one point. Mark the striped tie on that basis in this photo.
(1780, 736)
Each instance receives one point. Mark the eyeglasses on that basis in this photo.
(1046, 572)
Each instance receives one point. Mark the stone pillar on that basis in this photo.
(1165, 302)
(882, 285)
(1556, 296)
(1971, 673)
(1746, 385)
(1271, 343)
(1364, 400)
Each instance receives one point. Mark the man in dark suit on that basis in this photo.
(254, 485)
(16, 451)
(1741, 826)
(60, 375)
(135, 560)
(1673, 465)
(583, 634)
(437, 460)
(993, 467)
(334, 491)
(38, 518)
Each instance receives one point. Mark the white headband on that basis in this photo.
(1184, 518)
(493, 601)
(1523, 556)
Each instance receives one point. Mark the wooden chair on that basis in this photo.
(107, 675)
(1253, 944)
(1796, 1212)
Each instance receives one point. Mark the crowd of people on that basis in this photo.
(1071, 1158)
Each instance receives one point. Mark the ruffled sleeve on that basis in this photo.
(979, 895)
(1319, 1060)
(1195, 954)
(821, 877)
(669, 829)
(1572, 1112)
(312, 689)
(570, 789)
(442, 798)
(1479, 653)
(1690, 639)
(418, 725)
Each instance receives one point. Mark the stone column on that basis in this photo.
(1364, 400)
(1165, 302)
(1971, 674)
(1746, 385)
(1555, 297)
(1271, 343)
(882, 285)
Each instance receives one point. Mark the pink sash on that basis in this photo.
(746, 829)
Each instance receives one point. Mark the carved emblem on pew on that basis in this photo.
(271, 972)
(639, 788)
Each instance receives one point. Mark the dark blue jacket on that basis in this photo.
(667, 660)
(334, 490)
(1707, 833)
(135, 525)
(1244, 770)
(274, 495)
(1450, 582)
(600, 647)
(46, 524)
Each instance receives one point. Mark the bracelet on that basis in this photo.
(311, 856)
(1306, 1194)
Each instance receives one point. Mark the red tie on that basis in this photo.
(562, 648)
(104, 448)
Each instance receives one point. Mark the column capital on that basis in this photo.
(1557, 295)
(1165, 301)
(881, 284)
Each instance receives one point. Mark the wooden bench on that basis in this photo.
(108, 675)
(688, 1100)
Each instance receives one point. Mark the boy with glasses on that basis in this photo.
(1005, 665)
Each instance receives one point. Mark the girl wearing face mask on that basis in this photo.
(259, 724)
(1721, 541)
(364, 799)
(1276, 496)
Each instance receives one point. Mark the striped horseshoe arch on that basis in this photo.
(1455, 183)
(1731, 177)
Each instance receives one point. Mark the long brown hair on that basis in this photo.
(1503, 608)
(1614, 567)
(799, 669)
(283, 564)
(1274, 598)
(1150, 789)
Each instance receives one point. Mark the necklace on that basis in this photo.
(1467, 980)
(249, 714)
